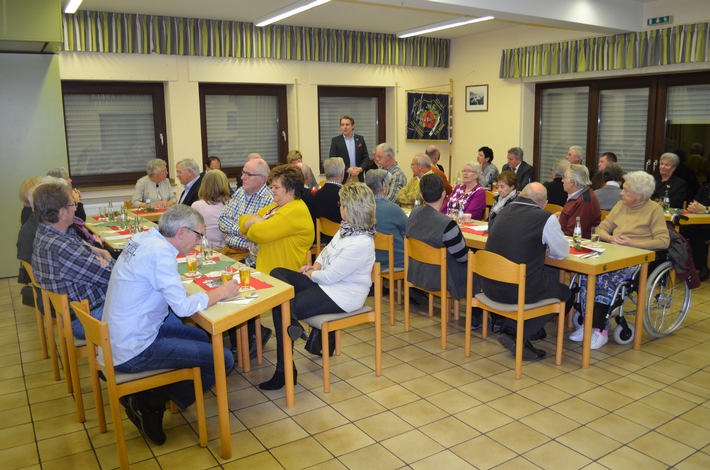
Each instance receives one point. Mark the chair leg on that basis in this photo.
(243, 347)
(406, 306)
(444, 318)
(98, 398)
(200, 406)
(467, 329)
(519, 349)
(560, 333)
(42, 334)
(76, 384)
(484, 327)
(457, 305)
(400, 282)
(52, 345)
(431, 305)
(325, 343)
(65, 358)
(118, 429)
(391, 285)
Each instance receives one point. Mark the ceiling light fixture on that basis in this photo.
(72, 6)
(443, 25)
(290, 10)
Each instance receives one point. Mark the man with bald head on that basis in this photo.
(421, 165)
(525, 233)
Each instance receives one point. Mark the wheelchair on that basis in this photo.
(667, 302)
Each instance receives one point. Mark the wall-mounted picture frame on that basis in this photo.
(476, 98)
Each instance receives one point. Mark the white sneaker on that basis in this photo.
(599, 338)
(577, 335)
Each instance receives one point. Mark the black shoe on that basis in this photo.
(530, 353)
(497, 323)
(476, 319)
(703, 274)
(265, 337)
(149, 421)
(278, 381)
(541, 334)
(418, 297)
(296, 331)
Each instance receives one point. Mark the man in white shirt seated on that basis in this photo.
(143, 291)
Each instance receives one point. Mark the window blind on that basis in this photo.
(109, 133)
(563, 123)
(623, 118)
(362, 109)
(688, 104)
(238, 125)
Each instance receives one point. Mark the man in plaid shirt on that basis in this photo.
(252, 196)
(61, 261)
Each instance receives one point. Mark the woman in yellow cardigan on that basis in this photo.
(284, 229)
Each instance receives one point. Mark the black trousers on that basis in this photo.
(309, 301)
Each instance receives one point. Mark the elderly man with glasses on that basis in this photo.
(61, 261)
(144, 290)
(248, 199)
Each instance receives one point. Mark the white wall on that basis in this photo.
(31, 137)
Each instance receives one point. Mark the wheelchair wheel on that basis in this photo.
(667, 301)
(624, 335)
(577, 319)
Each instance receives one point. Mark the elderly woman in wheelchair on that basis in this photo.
(635, 221)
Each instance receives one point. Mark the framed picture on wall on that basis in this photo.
(477, 98)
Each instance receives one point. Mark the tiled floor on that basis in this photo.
(430, 409)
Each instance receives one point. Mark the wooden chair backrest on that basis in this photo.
(385, 242)
(554, 208)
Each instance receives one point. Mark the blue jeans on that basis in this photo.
(179, 346)
(78, 329)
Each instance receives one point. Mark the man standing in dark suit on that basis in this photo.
(524, 172)
(188, 172)
(351, 148)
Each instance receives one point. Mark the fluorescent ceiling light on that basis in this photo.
(293, 9)
(443, 25)
(72, 6)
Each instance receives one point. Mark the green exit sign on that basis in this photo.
(659, 20)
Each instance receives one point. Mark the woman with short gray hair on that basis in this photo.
(469, 197)
(669, 184)
(635, 221)
(154, 188)
(581, 202)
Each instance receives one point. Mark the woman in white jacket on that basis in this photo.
(339, 280)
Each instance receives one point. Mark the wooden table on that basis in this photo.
(152, 216)
(104, 230)
(613, 258)
(220, 317)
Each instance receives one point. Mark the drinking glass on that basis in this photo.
(244, 276)
(595, 236)
(228, 274)
(103, 215)
(191, 259)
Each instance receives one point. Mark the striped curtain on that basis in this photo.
(675, 45)
(88, 31)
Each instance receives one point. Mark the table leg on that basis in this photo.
(221, 392)
(640, 306)
(588, 320)
(288, 354)
(243, 333)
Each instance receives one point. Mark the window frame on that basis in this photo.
(156, 90)
(246, 89)
(656, 122)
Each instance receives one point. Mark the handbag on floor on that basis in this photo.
(314, 344)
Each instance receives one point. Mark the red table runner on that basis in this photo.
(207, 283)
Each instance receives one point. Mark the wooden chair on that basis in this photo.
(495, 267)
(120, 384)
(386, 243)
(490, 200)
(71, 348)
(45, 324)
(325, 227)
(339, 321)
(554, 208)
(420, 251)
